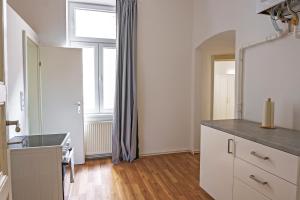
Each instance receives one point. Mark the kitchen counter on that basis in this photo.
(286, 140)
(30, 141)
(40, 160)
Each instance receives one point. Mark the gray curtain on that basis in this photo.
(125, 123)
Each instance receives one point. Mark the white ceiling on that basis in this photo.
(105, 2)
(46, 17)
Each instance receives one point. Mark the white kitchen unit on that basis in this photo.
(216, 151)
(37, 166)
(235, 168)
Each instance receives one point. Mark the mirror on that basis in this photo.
(32, 86)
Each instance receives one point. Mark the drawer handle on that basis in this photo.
(253, 153)
(257, 180)
(228, 146)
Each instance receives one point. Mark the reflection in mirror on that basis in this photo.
(33, 87)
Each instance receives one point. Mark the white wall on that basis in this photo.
(166, 88)
(164, 63)
(15, 26)
(214, 16)
(46, 17)
(271, 71)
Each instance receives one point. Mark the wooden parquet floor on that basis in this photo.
(163, 177)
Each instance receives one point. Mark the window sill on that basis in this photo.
(98, 117)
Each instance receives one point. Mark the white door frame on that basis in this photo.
(229, 57)
(25, 38)
(5, 187)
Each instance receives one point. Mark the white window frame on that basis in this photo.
(101, 46)
(98, 43)
(86, 6)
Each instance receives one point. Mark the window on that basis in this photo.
(89, 23)
(93, 28)
(109, 78)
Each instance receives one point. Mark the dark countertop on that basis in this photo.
(286, 140)
(29, 141)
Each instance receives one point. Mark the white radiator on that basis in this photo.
(97, 138)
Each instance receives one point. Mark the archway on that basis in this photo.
(220, 44)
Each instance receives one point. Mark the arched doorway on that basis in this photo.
(207, 56)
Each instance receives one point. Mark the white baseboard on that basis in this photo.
(149, 154)
(195, 152)
(165, 152)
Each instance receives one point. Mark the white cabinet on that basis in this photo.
(264, 182)
(216, 170)
(36, 173)
(244, 192)
(277, 162)
(233, 168)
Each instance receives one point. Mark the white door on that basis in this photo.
(62, 94)
(216, 163)
(4, 178)
(220, 97)
(224, 89)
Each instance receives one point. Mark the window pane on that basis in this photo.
(109, 77)
(89, 90)
(95, 24)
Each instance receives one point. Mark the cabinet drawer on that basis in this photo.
(271, 186)
(272, 160)
(241, 191)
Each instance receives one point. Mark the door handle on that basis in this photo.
(78, 104)
(229, 141)
(14, 123)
